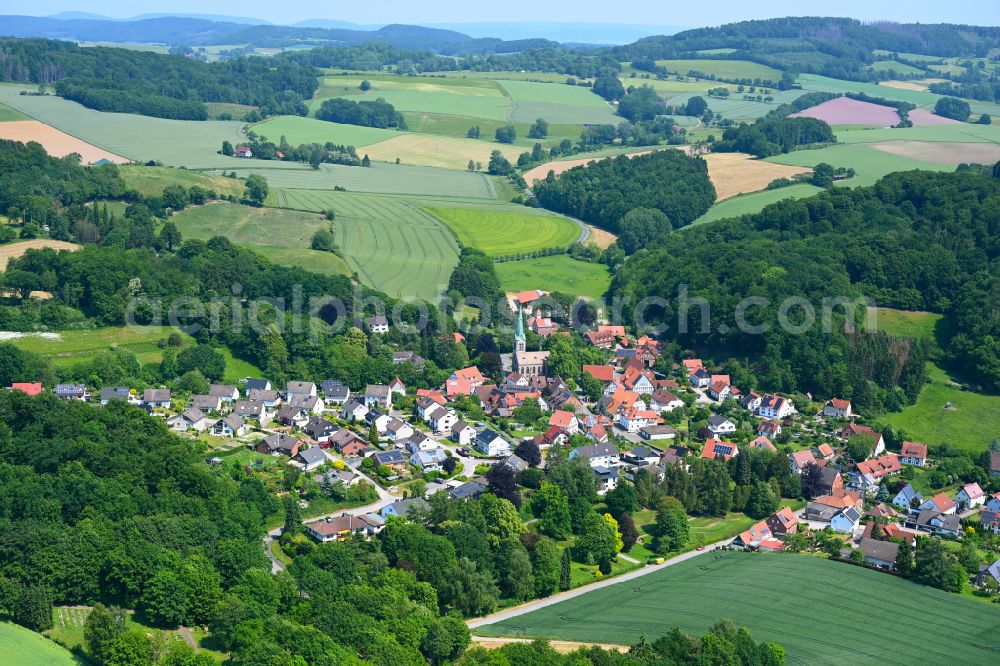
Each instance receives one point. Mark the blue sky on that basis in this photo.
(658, 12)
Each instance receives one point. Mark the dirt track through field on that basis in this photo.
(562, 647)
(55, 142)
(17, 249)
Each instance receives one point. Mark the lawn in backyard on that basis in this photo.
(558, 272)
(506, 232)
(23, 647)
(781, 598)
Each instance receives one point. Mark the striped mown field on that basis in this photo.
(822, 612)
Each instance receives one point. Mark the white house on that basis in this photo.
(701, 378)
(442, 420)
(913, 453)
(189, 419)
(775, 407)
(397, 430)
(293, 389)
(418, 442)
(378, 324)
(720, 425)
(905, 497)
(491, 444)
(664, 401)
(152, 397)
(636, 419)
(970, 496)
(224, 392)
(353, 411)
(462, 433)
(846, 520)
(431, 460)
(310, 458)
(231, 426)
(598, 455)
(835, 408)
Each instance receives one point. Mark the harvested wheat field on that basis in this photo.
(600, 237)
(17, 249)
(56, 143)
(943, 152)
(562, 647)
(905, 85)
(739, 173)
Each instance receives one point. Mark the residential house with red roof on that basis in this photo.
(638, 381)
(617, 331)
(913, 453)
(762, 443)
(565, 421)
(464, 382)
(801, 459)
(783, 521)
(602, 373)
(853, 430)
(528, 297)
(940, 503)
(634, 419)
(719, 389)
(758, 537)
(543, 326)
(601, 340)
(692, 364)
(835, 408)
(31, 388)
(824, 451)
(717, 449)
(880, 467)
(769, 428)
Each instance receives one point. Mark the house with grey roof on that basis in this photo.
(230, 426)
(189, 419)
(71, 392)
(156, 397)
(224, 391)
(206, 403)
(252, 411)
(293, 389)
(469, 490)
(109, 393)
(401, 508)
(256, 384)
(846, 520)
(335, 392)
(310, 458)
(353, 410)
(597, 455)
(881, 554)
(491, 444)
(378, 395)
(267, 397)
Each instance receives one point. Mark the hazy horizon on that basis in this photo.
(648, 12)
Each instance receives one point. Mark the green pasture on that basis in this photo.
(558, 272)
(735, 107)
(906, 323)
(504, 232)
(557, 103)
(142, 138)
(915, 57)
(723, 69)
(151, 181)
(298, 130)
(23, 647)
(783, 598)
(382, 178)
(895, 66)
(754, 202)
(870, 164)
(970, 423)
(671, 87)
(956, 133)
(284, 236)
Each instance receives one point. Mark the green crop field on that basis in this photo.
(558, 272)
(495, 107)
(735, 107)
(389, 241)
(284, 236)
(7, 113)
(898, 67)
(23, 647)
(150, 181)
(174, 142)
(956, 133)
(557, 103)
(502, 232)
(381, 178)
(309, 130)
(790, 599)
(870, 164)
(723, 69)
(754, 202)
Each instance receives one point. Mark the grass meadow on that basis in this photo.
(24, 647)
(309, 130)
(437, 151)
(784, 598)
(504, 232)
(869, 163)
(8, 114)
(557, 103)
(747, 204)
(151, 181)
(723, 69)
(896, 66)
(559, 272)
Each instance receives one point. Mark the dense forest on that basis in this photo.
(169, 86)
(837, 47)
(603, 192)
(373, 113)
(772, 137)
(914, 241)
